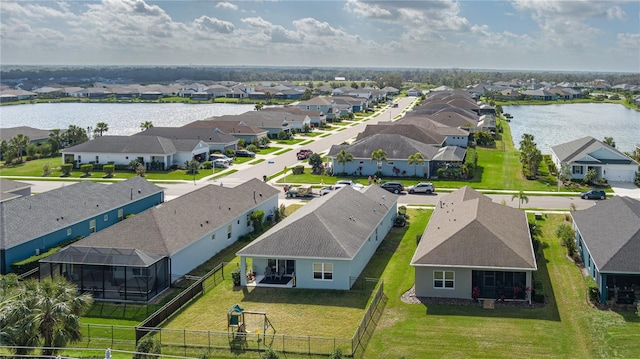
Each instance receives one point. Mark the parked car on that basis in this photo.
(395, 105)
(295, 192)
(593, 194)
(244, 153)
(220, 156)
(394, 187)
(353, 185)
(304, 154)
(422, 187)
(220, 163)
(326, 190)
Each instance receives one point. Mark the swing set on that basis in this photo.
(240, 322)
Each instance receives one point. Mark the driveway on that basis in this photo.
(625, 189)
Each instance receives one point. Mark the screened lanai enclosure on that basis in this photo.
(113, 274)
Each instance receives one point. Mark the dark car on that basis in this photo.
(245, 153)
(394, 187)
(593, 194)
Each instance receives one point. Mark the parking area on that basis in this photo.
(625, 189)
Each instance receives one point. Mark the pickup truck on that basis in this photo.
(295, 192)
(304, 154)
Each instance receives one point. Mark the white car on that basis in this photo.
(220, 163)
(326, 190)
(422, 187)
(343, 183)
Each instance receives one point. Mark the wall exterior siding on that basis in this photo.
(424, 283)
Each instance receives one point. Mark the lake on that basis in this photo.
(552, 125)
(123, 119)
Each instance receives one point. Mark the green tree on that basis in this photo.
(101, 128)
(76, 135)
(55, 140)
(530, 155)
(146, 125)
(317, 166)
(415, 160)
(306, 95)
(192, 167)
(522, 198)
(344, 157)
(609, 141)
(379, 156)
(19, 143)
(258, 106)
(565, 173)
(567, 237)
(590, 177)
(48, 311)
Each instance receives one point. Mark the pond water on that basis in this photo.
(552, 125)
(123, 119)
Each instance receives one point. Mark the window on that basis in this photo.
(92, 226)
(248, 220)
(97, 159)
(69, 231)
(229, 232)
(577, 170)
(106, 217)
(443, 279)
(213, 236)
(323, 271)
(120, 214)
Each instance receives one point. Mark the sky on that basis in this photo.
(554, 35)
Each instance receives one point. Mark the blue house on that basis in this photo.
(608, 240)
(34, 224)
(324, 245)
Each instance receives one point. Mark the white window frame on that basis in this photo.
(106, 217)
(120, 214)
(325, 271)
(229, 231)
(92, 226)
(69, 231)
(441, 276)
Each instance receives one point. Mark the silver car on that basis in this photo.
(422, 187)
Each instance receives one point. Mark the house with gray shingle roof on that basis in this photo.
(162, 244)
(608, 240)
(471, 241)
(272, 121)
(34, 224)
(398, 149)
(214, 137)
(13, 189)
(149, 150)
(587, 153)
(325, 244)
(238, 129)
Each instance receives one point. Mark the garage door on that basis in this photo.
(618, 175)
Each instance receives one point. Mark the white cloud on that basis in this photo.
(271, 32)
(207, 23)
(629, 41)
(226, 5)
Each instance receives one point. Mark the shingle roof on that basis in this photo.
(264, 119)
(33, 133)
(210, 135)
(334, 226)
(173, 225)
(229, 127)
(422, 134)
(396, 146)
(468, 229)
(126, 144)
(611, 231)
(577, 150)
(450, 154)
(7, 188)
(26, 218)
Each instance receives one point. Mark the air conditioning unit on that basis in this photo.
(37, 251)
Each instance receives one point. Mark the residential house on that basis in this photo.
(36, 135)
(467, 245)
(540, 94)
(587, 153)
(317, 118)
(414, 92)
(272, 121)
(13, 189)
(238, 129)
(608, 240)
(155, 152)
(17, 95)
(453, 136)
(160, 245)
(33, 224)
(213, 137)
(321, 103)
(354, 104)
(323, 245)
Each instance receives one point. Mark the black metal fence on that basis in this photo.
(367, 324)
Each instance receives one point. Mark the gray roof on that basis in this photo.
(264, 119)
(173, 225)
(611, 232)
(450, 154)
(582, 151)
(34, 134)
(103, 256)
(396, 146)
(422, 134)
(430, 125)
(26, 218)
(126, 144)
(333, 227)
(468, 229)
(208, 135)
(230, 127)
(7, 188)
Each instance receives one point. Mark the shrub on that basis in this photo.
(270, 354)
(109, 170)
(148, 345)
(336, 354)
(252, 148)
(86, 168)
(207, 165)
(235, 275)
(297, 170)
(567, 237)
(593, 291)
(257, 219)
(66, 169)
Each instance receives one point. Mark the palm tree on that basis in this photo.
(47, 310)
(415, 160)
(19, 144)
(146, 125)
(379, 156)
(76, 135)
(55, 140)
(344, 157)
(101, 127)
(522, 198)
(609, 141)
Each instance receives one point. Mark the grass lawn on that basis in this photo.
(293, 141)
(270, 149)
